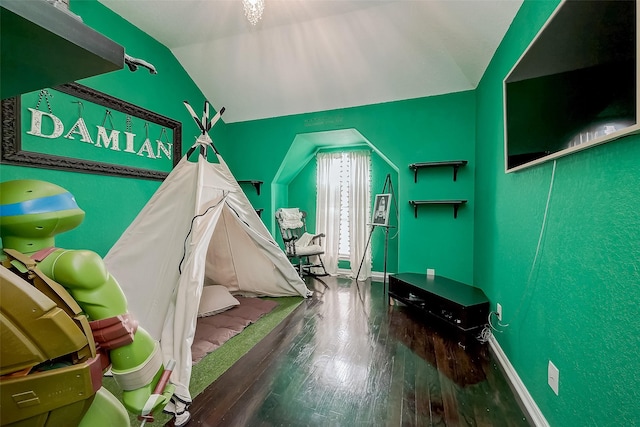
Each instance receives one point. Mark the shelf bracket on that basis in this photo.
(456, 164)
(455, 172)
(256, 184)
(455, 203)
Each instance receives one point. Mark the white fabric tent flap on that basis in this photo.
(199, 228)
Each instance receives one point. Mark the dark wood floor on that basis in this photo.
(345, 358)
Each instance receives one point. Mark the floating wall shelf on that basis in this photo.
(456, 204)
(44, 46)
(453, 163)
(255, 183)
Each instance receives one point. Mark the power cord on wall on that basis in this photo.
(486, 332)
(490, 328)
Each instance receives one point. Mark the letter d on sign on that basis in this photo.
(36, 124)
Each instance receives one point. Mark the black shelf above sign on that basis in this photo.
(456, 164)
(456, 204)
(44, 46)
(253, 182)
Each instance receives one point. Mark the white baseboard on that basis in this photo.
(376, 276)
(533, 412)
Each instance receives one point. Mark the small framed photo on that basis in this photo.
(381, 209)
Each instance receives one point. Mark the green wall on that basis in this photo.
(576, 305)
(417, 130)
(302, 192)
(111, 202)
(379, 171)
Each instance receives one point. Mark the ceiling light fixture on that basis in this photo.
(253, 10)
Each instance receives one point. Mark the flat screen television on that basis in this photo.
(576, 85)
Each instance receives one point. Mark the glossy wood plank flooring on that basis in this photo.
(345, 358)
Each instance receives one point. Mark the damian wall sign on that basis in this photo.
(73, 127)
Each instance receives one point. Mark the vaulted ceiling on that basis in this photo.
(314, 55)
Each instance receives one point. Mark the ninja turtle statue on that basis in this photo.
(64, 319)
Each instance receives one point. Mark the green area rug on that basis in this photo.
(216, 363)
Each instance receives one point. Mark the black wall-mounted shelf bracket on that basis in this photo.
(456, 204)
(453, 163)
(46, 46)
(255, 183)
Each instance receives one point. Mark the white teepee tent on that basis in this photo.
(199, 227)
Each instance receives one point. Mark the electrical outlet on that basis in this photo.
(553, 377)
(499, 311)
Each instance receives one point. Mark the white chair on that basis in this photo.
(303, 249)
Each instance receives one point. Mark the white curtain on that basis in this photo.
(328, 207)
(359, 202)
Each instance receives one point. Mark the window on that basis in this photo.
(344, 167)
(343, 189)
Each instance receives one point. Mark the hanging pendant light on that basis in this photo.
(253, 10)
